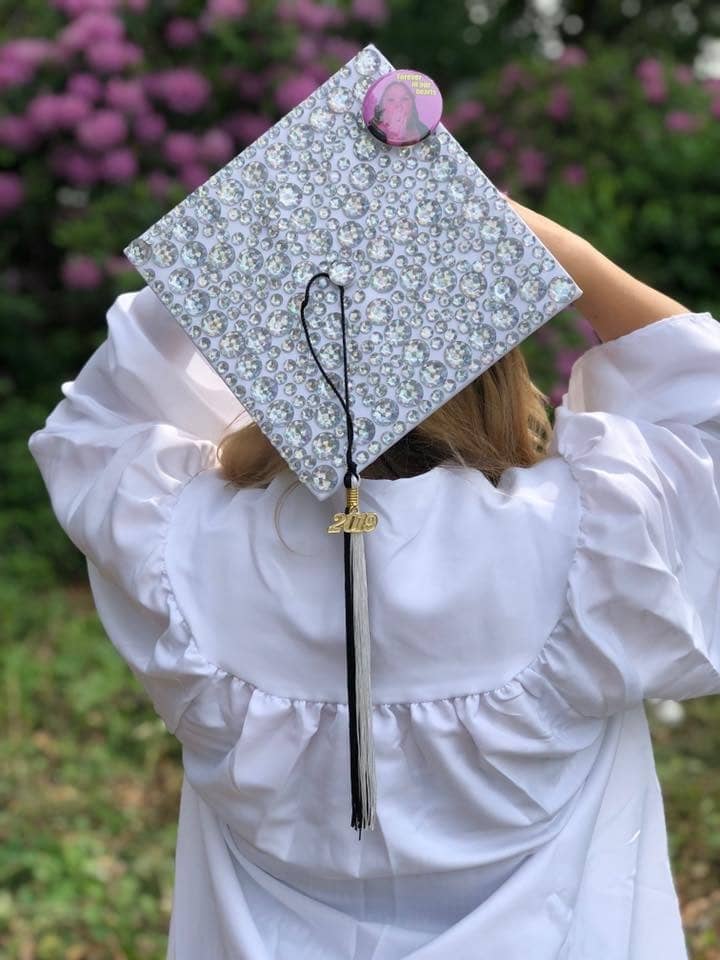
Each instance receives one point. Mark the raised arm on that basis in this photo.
(613, 301)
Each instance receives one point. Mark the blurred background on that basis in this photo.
(604, 116)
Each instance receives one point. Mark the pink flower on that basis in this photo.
(149, 127)
(711, 84)
(466, 112)
(307, 49)
(29, 51)
(494, 160)
(309, 15)
(715, 108)
(14, 74)
(180, 148)
(193, 174)
(127, 95)
(649, 69)
(216, 147)
(90, 28)
(248, 84)
(16, 133)
(118, 166)
(11, 192)
(574, 174)
(101, 130)
(181, 32)
(564, 360)
(651, 75)
(42, 112)
(572, 56)
(112, 56)
(684, 74)
(559, 106)
(159, 183)
(654, 89)
(183, 89)
(79, 169)
(294, 90)
(372, 11)
(512, 76)
(223, 10)
(557, 393)
(71, 109)
(79, 272)
(85, 85)
(75, 8)
(247, 127)
(531, 166)
(507, 139)
(680, 121)
(341, 49)
(19, 59)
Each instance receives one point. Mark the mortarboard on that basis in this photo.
(347, 274)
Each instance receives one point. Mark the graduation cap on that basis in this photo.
(346, 275)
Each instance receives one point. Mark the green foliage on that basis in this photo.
(89, 793)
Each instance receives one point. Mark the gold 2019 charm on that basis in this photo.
(353, 522)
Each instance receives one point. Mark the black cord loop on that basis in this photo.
(345, 403)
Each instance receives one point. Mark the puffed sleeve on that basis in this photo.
(640, 430)
(141, 419)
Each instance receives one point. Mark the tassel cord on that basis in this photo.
(344, 402)
(357, 629)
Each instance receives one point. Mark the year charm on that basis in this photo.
(353, 523)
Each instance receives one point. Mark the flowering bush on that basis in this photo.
(116, 109)
(92, 109)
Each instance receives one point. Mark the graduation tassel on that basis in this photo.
(362, 753)
(353, 525)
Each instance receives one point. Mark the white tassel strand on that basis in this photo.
(363, 693)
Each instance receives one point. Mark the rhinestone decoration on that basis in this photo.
(441, 276)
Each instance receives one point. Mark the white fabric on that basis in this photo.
(516, 631)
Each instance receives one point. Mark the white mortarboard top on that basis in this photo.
(429, 277)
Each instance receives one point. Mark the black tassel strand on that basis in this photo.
(357, 630)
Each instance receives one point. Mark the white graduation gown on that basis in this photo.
(516, 632)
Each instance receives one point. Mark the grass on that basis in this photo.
(90, 784)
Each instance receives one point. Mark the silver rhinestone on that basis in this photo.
(181, 280)
(433, 373)
(164, 253)
(185, 228)
(561, 290)
(197, 302)
(280, 411)
(324, 478)
(214, 323)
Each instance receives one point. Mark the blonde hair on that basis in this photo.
(498, 421)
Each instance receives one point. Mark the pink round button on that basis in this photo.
(402, 107)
